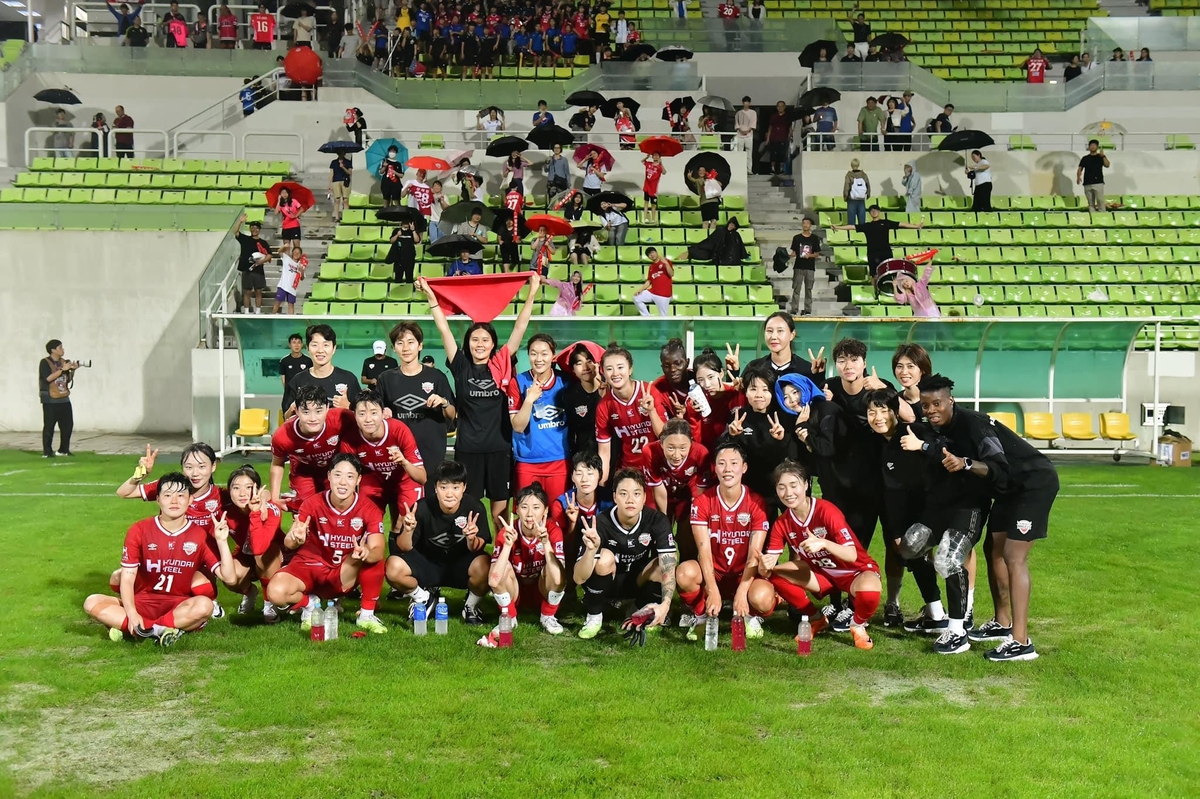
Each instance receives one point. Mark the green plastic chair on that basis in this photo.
(323, 292)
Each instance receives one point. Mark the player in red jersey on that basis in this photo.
(722, 398)
(395, 474)
(528, 561)
(825, 554)
(253, 521)
(581, 500)
(625, 412)
(676, 470)
(654, 172)
(338, 540)
(670, 390)
(160, 558)
(729, 525)
(307, 443)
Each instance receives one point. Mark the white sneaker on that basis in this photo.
(270, 614)
(246, 606)
(218, 611)
(258, 311)
(754, 628)
(552, 625)
(687, 620)
(306, 613)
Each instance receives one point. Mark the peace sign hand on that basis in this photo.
(220, 529)
(147, 462)
(591, 538)
(732, 357)
(678, 409)
(408, 522)
(818, 361)
(735, 424)
(471, 531)
(777, 431)
(298, 533)
(646, 404)
(508, 531)
(572, 509)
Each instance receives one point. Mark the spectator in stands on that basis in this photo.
(826, 120)
(1090, 175)
(912, 188)
(62, 142)
(98, 144)
(124, 17)
(1036, 67)
(779, 137)
(200, 39)
(390, 172)
(290, 210)
(439, 204)
(302, 30)
(582, 246)
(744, 124)
(573, 212)
(374, 367)
(490, 119)
(1072, 70)
(473, 227)
(558, 172)
(514, 166)
(1145, 56)
(357, 126)
(333, 36)
(174, 27)
(916, 294)
(255, 252)
(980, 173)
(584, 119)
(679, 9)
(1086, 63)
(122, 142)
(262, 28)
(862, 34)
(806, 249)
(872, 122)
(294, 263)
(856, 190)
(1118, 54)
(464, 265)
(340, 171)
(709, 188)
(621, 32)
(593, 175)
(907, 120)
(542, 118)
(135, 34)
(615, 220)
(658, 288)
(851, 56)
(878, 232)
(227, 28)
(941, 123)
(757, 12)
(723, 247)
(570, 293)
(625, 127)
(893, 139)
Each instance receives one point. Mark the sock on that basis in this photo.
(970, 600)
(595, 592)
(473, 599)
(593, 618)
(419, 594)
(935, 610)
(370, 579)
(301, 605)
(206, 589)
(168, 619)
(865, 605)
(694, 600)
(550, 603)
(956, 626)
(794, 595)
(264, 581)
(157, 629)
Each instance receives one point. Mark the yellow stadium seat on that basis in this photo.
(1115, 427)
(1078, 427)
(1039, 426)
(253, 423)
(1009, 420)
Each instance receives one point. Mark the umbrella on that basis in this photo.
(451, 246)
(677, 106)
(402, 213)
(1104, 127)
(292, 10)
(605, 158)
(966, 140)
(713, 101)
(458, 156)
(462, 211)
(890, 41)
(708, 162)
(485, 111)
(300, 194)
(810, 54)
(822, 95)
(546, 138)
(57, 96)
(342, 146)
(427, 162)
(663, 145)
(555, 225)
(636, 52)
(610, 197)
(505, 145)
(562, 199)
(674, 52)
(586, 99)
(498, 226)
(799, 112)
(377, 152)
(609, 107)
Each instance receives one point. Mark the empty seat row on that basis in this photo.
(193, 165)
(589, 308)
(1008, 236)
(1042, 294)
(1039, 426)
(1007, 275)
(1018, 202)
(1043, 255)
(133, 196)
(143, 180)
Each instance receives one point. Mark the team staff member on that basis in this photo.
(418, 394)
(376, 365)
(55, 375)
(779, 333)
(758, 430)
(581, 500)
(291, 365)
(339, 385)
(539, 420)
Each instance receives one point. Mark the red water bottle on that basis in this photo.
(804, 638)
(504, 639)
(317, 632)
(737, 637)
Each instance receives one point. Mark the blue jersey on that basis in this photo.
(545, 439)
(246, 95)
(568, 43)
(535, 41)
(424, 21)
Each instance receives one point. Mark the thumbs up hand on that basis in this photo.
(909, 442)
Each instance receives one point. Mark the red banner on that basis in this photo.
(481, 297)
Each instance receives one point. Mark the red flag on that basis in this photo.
(481, 297)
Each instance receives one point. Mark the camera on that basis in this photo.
(83, 364)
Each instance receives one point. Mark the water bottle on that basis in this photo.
(441, 616)
(331, 621)
(737, 636)
(420, 624)
(804, 638)
(699, 400)
(710, 633)
(505, 639)
(318, 622)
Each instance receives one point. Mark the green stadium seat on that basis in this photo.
(341, 309)
(323, 291)
(312, 308)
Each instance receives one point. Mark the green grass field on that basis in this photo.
(1110, 709)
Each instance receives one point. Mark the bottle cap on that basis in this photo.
(804, 618)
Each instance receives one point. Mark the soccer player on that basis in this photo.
(581, 396)
(581, 500)
(418, 395)
(338, 540)
(757, 429)
(539, 420)
(677, 469)
(528, 561)
(627, 553)
(160, 559)
(729, 524)
(307, 443)
(626, 413)
(395, 474)
(671, 389)
(440, 541)
(825, 555)
(779, 333)
(722, 398)
(253, 521)
(340, 386)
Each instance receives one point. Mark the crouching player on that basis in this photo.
(527, 560)
(729, 524)
(825, 553)
(677, 469)
(395, 474)
(338, 540)
(159, 561)
(627, 553)
(254, 522)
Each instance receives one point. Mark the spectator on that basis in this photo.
(852, 56)
(616, 222)
(709, 188)
(465, 264)
(654, 170)
(514, 166)
(856, 190)
(200, 40)
(262, 29)
(907, 120)
(872, 122)
(724, 246)
(333, 37)
(912, 188)
(658, 287)
(744, 124)
(390, 172)
(542, 118)
(826, 120)
(255, 253)
(584, 120)
(357, 125)
(757, 12)
(227, 28)
(916, 294)
(62, 142)
(123, 142)
(862, 34)
(593, 176)
(402, 255)
(98, 144)
(541, 250)
(439, 203)
(290, 210)
(600, 25)
(294, 264)
(125, 19)
(779, 137)
(340, 171)
(473, 227)
(1086, 63)
(55, 375)
(1118, 54)
(583, 247)
(941, 123)
(558, 172)
(893, 140)
(1035, 67)
(621, 32)
(135, 34)
(247, 97)
(570, 294)
(877, 232)
(302, 30)
(490, 119)
(174, 27)
(1145, 56)
(679, 9)
(980, 172)
(626, 130)
(806, 249)
(1073, 70)
(1090, 175)
(574, 210)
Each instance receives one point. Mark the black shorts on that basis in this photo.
(1025, 516)
(290, 233)
(625, 585)
(710, 211)
(489, 474)
(650, 199)
(433, 573)
(389, 190)
(254, 281)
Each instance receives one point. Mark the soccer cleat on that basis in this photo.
(169, 637)
(270, 614)
(926, 626)
(218, 611)
(472, 615)
(754, 628)
(687, 620)
(306, 615)
(692, 634)
(892, 615)
(115, 635)
(949, 643)
(430, 604)
(1010, 650)
(829, 611)
(861, 639)
(395, 595)
(368, 621)
(591, 627)
(818, 623)
(841, 622)
(246, 606)
(990, 630)
(552, 625)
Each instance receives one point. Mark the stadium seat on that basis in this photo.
(252, 423)
(1039, 426)
(1078, 427)
(1115, 427)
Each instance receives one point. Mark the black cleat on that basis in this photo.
(841, 622)
(1012, 650)
(893, 616)
(990, 630)
(472, 615)
(430, 604)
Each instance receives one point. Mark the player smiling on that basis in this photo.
(527, 560)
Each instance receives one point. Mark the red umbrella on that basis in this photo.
(299, 193)
(563, 359)
(665, 146)
(555, 225)
(584, 150)
(427, 162)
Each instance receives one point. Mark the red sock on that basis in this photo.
(865, 605)
(301, 605)
(548, 609)
(263, 581)
(794, 595)
(168, 619)
(204, 589)
(370, 579)
(694, 600)
(512, 610)
(125, 625)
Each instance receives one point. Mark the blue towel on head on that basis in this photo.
(809, 392)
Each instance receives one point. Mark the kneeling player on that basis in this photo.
(729, 524)
(826, 555)
(254, 523)
(627, 553)
(527, 560)
(338, 539)
(677, 469)
(160, 558)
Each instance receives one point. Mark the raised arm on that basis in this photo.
(439, 319)
(518, 331)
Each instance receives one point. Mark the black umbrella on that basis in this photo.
(822, 95)
(708, 162)
(799, 112)
(610, 197)
(485, 111)
(674, 53)
(402, 213)
(57, 96)
(292, 10)
(334, 147)
(677, 105)
(585, 99)
(609, 107)
(498, 225)
(505, 145)
(544, 138)
(635, 52)
(461, 212)
(451, 246)
(715, 102)
(966, 140)
(889, 41)
(810, 54)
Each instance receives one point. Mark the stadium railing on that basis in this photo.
(1054, 141)
(1166, 34)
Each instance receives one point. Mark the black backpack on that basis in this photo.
(780, 261)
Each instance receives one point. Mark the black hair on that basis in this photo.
(450, 472)
(651, 250)
(629, 474)
(616, 350)
(674, 345)
(534, 490)
(310, 395)
(785, 316)
(759, 373)
(346, 457)
(52, 345)
(676, 427)
(487, 328)
(544, 338)
(245, 470)
(882, 398)
(977, 152)
(295, 337)
(727, 443)
(851, 348)
(324, 331)
(935, 383)
(790, 466)
(199, 448)
(175, 480)
(747, 99)
(407, 327)
(369, 396)
(1093, 141)
(587, 458)
(708, 357)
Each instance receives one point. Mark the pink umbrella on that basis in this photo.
(455, 157)
(606, 159)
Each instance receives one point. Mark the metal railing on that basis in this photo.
(282, 23)
(191, 144)
(92, 145)
(89, 18)
(295, 156)
(39, 143)
(231, 108)
(150, 61)
(216, 286)
(1167, 34)
(920, 141)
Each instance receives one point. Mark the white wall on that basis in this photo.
(765, 77)
(127, 300)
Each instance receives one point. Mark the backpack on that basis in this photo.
(781, 259)
(858, 189)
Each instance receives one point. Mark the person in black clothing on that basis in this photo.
(340, 172)
(724, 246)
(357, 126)
(391, 178)
(440, 542)
(862, 35)
(374, 367)
(167, 29)
(341, 387)
(1090, 175)
(55, 375)
(878, 233)
(851, 55)
(1073, 70)
(758, 429)
(806, 249)
(403, 253)
(941, 123)
(418, 394)
(779, 332)
(292, 364)
(580, 397)
(255, 253)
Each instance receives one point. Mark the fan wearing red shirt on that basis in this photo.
(654, 172)
(227, 25)
(528, 562)
(729, 525)
(514, 202)
(728, 11)
(419, 194)
(395, 473)
(161, 559)
(657, 288)
(306, 443)
(825, 554)
(1035, 67)
(677, 469)
(263, 26)
(338, 540)
(625, 412)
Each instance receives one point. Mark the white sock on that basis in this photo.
(956, 626)
(364, 613)
(936, 611)
(970, 600)
(157, 629)
(556, 597)
(473, 599)
(419, 594)
(593, 618)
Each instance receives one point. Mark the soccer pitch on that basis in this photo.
(244, 710)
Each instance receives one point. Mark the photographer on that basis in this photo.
(55, 376)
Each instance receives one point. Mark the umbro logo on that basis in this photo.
(486, 383)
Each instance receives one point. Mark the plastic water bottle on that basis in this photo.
(420, 624)
(505, 639)
(711, 626)
(804, 638)
(441, 617)
(331, 621)
(699, 400)
(318, 623)
(737, 634)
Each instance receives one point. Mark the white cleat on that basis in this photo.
(754, 628)
(246, 606)
(552, 625)
(270, 614)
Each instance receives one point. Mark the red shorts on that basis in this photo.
(153, 606)
(842, 582)
(305, 486)
(319, 578)
(552, 475)
(530, 595)
(727, 583)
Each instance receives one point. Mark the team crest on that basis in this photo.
(743, 519)
(332, 441)
(540, 547)
(689, 471)
(189, 547)
(356, 524)
(581, 411)
(644, 539)
(820, 532)
(427, 387)
(460, 522)
(340, 388)
(1024, 526)
(211, 506)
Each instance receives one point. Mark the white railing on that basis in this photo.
(87, 18)
(1050, 141)
(470, 139)
(104, 147)
(249, 146)
(194, 147)
(228, 110)
(295, 156)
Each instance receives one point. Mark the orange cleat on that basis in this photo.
(819, 623)
(861, 639)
